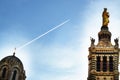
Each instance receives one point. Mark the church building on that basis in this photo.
(103, 58)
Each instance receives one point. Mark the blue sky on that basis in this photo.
(61, 54)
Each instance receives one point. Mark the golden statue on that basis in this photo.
(105, 16)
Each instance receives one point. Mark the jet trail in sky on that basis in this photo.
(43, 34)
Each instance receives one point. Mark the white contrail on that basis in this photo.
(42, 35)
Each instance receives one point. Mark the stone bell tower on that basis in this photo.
(103, 58)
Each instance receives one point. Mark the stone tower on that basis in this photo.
(103, 58)
(11, 68)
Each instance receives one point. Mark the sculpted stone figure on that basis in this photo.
(105, 16)
(92, 41)
(116, 42)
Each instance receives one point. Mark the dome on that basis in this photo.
(12, 60)
(12, 68)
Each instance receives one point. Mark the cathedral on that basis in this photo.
(103, 58)
(11, 68)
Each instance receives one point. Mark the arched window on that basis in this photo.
(14, 75)
(98, 63)
(98, 78)
(3, 72)
(104, 63)
(104, 78)
(110, 63)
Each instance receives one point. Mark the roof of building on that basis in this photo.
(12, 60)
